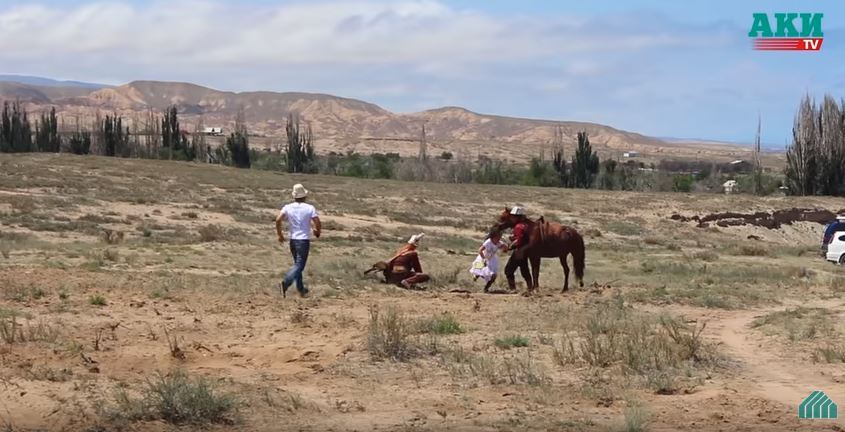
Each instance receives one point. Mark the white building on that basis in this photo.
(631, 154)
(213, 131)
(730, 187)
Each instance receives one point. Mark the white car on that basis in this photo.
(836, 248)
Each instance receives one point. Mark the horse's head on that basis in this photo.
(506, 220)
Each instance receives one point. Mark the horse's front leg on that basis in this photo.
(535, 270)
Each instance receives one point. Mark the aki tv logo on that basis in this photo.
(817, 406)
(780, 31)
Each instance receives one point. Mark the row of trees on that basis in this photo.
(160, 138)
(816, 157)
(819, 142)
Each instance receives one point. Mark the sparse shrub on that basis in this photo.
(111, 255)
(178, 399)
(624, 228)
(112, 237)
(13, 330)
(173, 345)
(830, 354)
(517, 369)
(514, 341)
(654, 241)
(799, 324)
(708, 256)
(636, 418)
(446, 278)
(663, 381)
(445, 324)
(389, 335)
(190, 215)
(211, 233)
(752, 250)
(612, 334)
(97, 300)
(592, 233)
(37, 293)
(564, 351)
(522, 369)
(300, 316)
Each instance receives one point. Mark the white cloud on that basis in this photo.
(643, 72)
(423, 33)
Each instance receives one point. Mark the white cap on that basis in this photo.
(299, 191)
(518, 211)
(415, 238)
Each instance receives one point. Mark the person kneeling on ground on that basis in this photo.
(404, 268)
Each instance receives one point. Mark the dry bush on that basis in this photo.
(513, 341)
(211, 233)
(13, 330)
(654, 241)
(611, 334)
(178, 399)
(112, 237)
(300, 316)
(797, 324)
(517, 369)
(173, 345)
(97, 300)
(444, 324)
(830, 354)
(390, 335)
(707, 256)
(751, 250)
(636, 418)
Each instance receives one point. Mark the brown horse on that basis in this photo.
(549, 240)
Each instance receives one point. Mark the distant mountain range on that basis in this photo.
(341, 124)
(48, 82)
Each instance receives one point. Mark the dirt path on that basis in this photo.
(767, 373)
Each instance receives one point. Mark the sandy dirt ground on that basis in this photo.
(677, 327)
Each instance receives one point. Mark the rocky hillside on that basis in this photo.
(340, 124)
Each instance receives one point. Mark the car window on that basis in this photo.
(842, 238)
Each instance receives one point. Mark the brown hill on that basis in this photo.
(342, 124)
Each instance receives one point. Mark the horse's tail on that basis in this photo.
(578, 252)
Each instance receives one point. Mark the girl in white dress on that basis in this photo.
(486, 264)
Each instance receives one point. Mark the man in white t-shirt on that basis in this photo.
(300, 217)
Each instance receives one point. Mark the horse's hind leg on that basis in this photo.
(565, 266)
(535, 271)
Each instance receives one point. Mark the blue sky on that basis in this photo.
(662, 68)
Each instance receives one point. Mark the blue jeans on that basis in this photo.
(299, 249)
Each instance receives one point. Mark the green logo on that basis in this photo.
(811, 25)
(817, 406)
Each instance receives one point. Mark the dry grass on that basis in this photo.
(612, 335)
(17, 329)
(798, 324)
(390, 335)
(178, 399)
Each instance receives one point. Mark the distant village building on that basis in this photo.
(214, 131)
(730, 186)
(631, 154)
